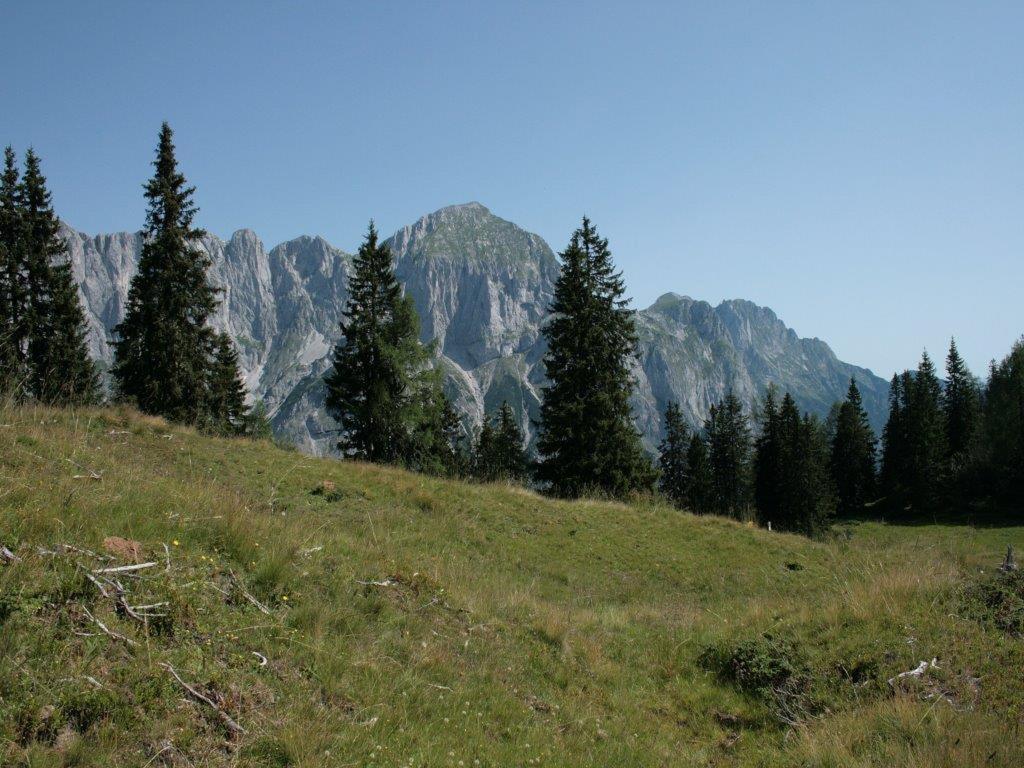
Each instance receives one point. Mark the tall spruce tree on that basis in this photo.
(962, 411)
(13, 288)
(60, 369)
(1004, 426)
(587, 438)
(163, 345)
(700, 491)
(729, 449)
(373, 386)
(808, 502)
(894, 443)
(675, 473)
(499, 452)
(436, 444)
(768, 461)
(226, 411)
(926, 437)
(852, 455)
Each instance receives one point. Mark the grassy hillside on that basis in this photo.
(408, 621)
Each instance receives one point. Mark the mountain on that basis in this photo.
(482, 286)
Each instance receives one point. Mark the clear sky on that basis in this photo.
(858, 167)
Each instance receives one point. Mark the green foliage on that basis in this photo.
(700, 495)
(768, 668)
(791, 469)
(43, 350)
(729, 449)
(373, 388)
(257, 422)
(163, 346)
(672, 459)
(1004, 426)
(852, 459)
(225, 396)
(962, 410)
(997, 599)
(435, 444)
(587, 438)
(499, 453)
(914, 454)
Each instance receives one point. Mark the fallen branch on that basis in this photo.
(97, 582)
(108, 631)
(7, 556)
(249, 597)
(261, 657)
(167, 554)
(198, 695)
(918, 671)
(127, 568)
(385, 583)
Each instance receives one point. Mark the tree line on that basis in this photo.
(945, 443)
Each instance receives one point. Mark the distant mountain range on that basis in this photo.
(482, 286)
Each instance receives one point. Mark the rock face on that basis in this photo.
(482, 287)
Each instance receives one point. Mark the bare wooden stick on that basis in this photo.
(99, 585)
(249, 597)
(167, 555)
(261, 657)
(7, 556)
(108, 631)
(200, 696)
(127, 568)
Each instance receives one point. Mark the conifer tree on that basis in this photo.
(808, 501)
(700, 493)
(163, 344)
(894, 443)
(768, 461)
(499, 453)
(852, 455)
(728, 436)
(962, 411)
(675, 474)
(257, 422)
(225, 397)
(60, 369)
(587, 438)
(372, 388)
(926, 436)
(1004, 426)
(13, 288)
(436, 444)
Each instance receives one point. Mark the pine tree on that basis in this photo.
(700, 494)
(768, 462)
(163, 343)
(60, 369)
(1004, 426)
(729, 447)
(13, 281)
(894, 443)
(852, 459)
(371, 388)
(257, 422)
(962, 411)
(499, 452)
(436, 445)
(587, 438)
(926, 437)
(675, 474)
(808, 499)
(225, 398)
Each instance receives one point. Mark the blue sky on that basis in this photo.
(858, 167)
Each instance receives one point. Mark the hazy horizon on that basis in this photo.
(856, 169)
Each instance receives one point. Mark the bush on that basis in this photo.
(769, 668)
(997, 601)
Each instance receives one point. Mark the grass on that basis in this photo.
(513, 630)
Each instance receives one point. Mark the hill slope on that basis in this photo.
(482, 286)
(412, 621)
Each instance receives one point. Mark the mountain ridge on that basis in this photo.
(482, 286)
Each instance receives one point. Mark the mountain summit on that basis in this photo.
(482, 286)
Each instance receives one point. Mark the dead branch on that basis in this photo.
(127, 568)
(249, 597)
(385, 583)
(199, 696)
(261, 657)
(108, 631)
(7, 556)
(167, 554)
(918, 671)
(94, 580)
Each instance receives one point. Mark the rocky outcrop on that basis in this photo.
(482, 286)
